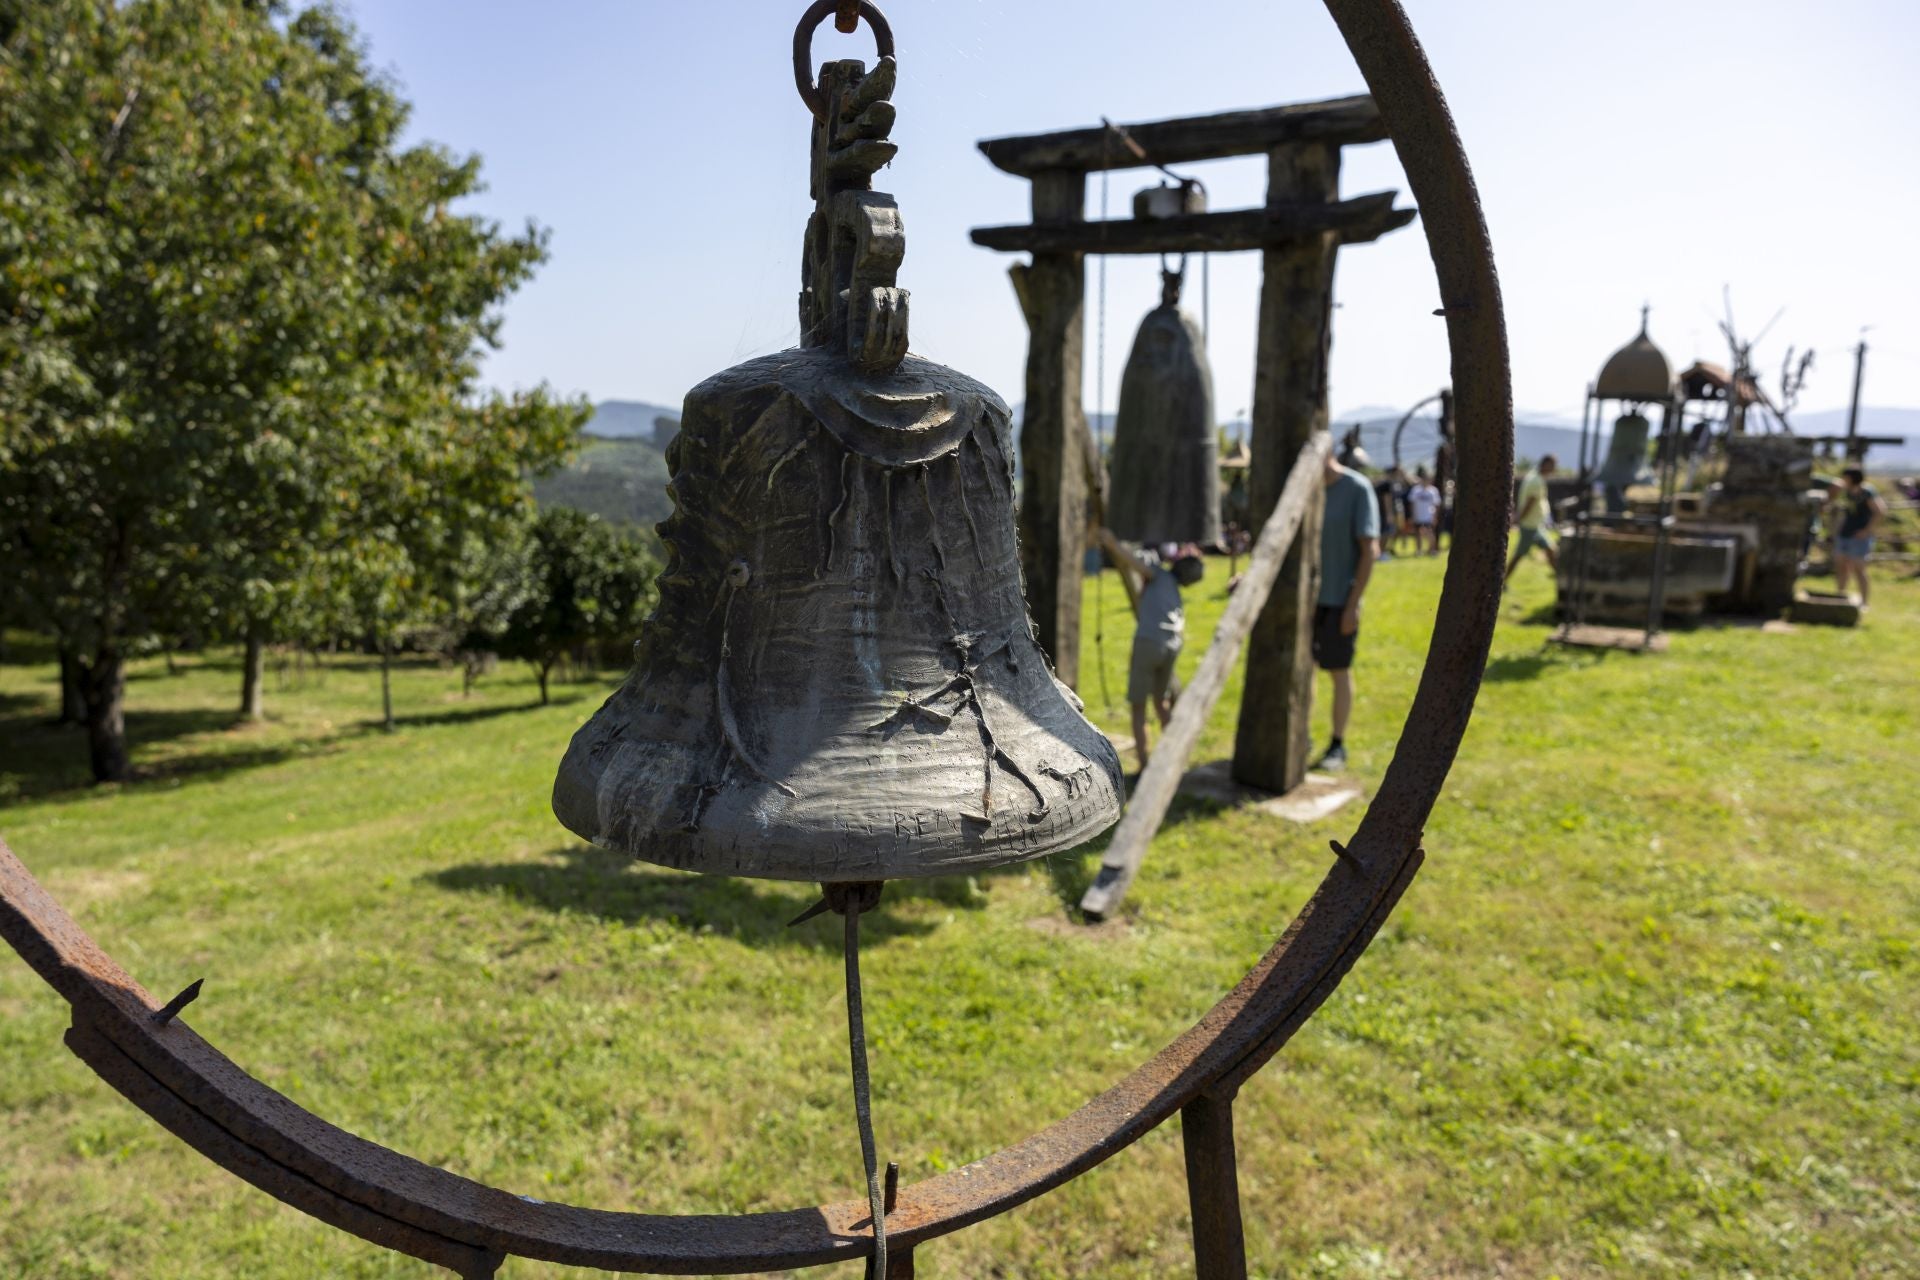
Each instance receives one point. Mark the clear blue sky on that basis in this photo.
(1632, 150)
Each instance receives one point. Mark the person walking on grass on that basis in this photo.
(1160, 629)
(1533, 517)
(1423, 501)
(1349, 545)
(1860, 523)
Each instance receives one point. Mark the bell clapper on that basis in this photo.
(849, 900)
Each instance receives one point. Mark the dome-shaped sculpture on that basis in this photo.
(1638, 371)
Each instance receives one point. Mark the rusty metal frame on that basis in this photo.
(163, 1067)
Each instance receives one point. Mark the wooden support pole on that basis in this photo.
(1273, 741)
(1229, 133)
(1053, 463)
(1161, 778)
(1213, 1189)
(1357, 221)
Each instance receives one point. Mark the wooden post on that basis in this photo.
(1273, 741)
(1213, 1189)
(1053, 466)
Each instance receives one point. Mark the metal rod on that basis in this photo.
(1213, 1189)
(862, 1105)
(1854, 451)
(1657, 588)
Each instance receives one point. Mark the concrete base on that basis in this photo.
(1591, 636)
(1321, 795)
(1827, 607)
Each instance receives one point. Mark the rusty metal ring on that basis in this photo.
(810, 21)
(186, 1084)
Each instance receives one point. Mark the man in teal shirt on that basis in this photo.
(1349, 544)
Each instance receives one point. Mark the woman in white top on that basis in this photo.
(1424, 502)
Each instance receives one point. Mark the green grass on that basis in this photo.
(1649, 1010)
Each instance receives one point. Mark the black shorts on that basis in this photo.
(1331, 650)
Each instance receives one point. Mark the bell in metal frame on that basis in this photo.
(841, 682)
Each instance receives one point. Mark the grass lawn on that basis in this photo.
(1652, 1007)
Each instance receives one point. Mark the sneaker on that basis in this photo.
(1333, 760)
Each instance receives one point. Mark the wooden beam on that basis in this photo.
(1335, 121)
(1053, 461)
(1357, 221)
(1161, 778)
(1272, 742)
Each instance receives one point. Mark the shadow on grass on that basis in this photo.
(1069, 874)
(1518, 666)
(29, 649)
(41, 759)
(590, 881)
(468, 715)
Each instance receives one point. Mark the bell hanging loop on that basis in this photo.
(841, 12)
(1172, 281)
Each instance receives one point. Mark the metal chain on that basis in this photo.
(1206, 296)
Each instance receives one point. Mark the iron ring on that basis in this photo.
(810, 21)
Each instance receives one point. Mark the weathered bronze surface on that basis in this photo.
(841, 681)
(1166, 455)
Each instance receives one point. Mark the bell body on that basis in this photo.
(840, 681)
(1165, 473)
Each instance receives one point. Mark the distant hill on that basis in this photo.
(1532, 440)
(1536, 435)
(626, 419)
(624, 481)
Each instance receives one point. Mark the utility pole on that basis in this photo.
(1853, 413)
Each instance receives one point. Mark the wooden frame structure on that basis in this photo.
(1298, 232)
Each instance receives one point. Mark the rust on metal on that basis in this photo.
(392, 1200)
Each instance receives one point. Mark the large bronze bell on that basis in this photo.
(1166, 455)
(841, 682)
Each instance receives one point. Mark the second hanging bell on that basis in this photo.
(1166, 455)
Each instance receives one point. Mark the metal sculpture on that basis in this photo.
(1166, 454)
(147, 1050)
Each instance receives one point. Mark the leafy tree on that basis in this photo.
(239, 329)
(591, 583)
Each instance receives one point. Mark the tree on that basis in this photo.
(591, 582)
(238, 332)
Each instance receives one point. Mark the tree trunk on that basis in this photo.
(252, 697)
(543, 669)
(386, 687)
(105, 686)
(73, 693)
